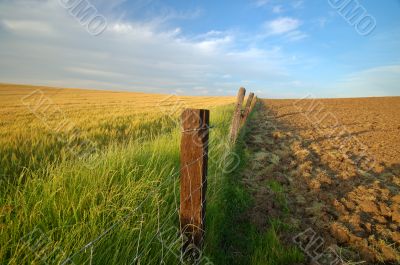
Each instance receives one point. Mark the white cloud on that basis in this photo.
(298, 4)
(129, 55)
(296, 35)
(260, 3)
(201, 90)
(282, 25)
(212, 45)
(286, 27)
(145, 30)
(93, 72)
(28, 26)
(377, 81)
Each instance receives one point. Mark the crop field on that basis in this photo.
(90, 177)
(40, 121)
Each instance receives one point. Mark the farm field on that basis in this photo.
(91, 177)
(40, 118)
(329, 168)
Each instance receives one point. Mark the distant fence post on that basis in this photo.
(247, 110)
(253, 104)
(193, 179)
(237, 115)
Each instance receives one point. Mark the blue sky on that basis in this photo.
(279, 49)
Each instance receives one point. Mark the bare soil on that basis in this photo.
(339, 163)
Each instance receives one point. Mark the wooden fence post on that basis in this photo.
(193, 179)
(248, 108)
(237, 115)
(253, 104)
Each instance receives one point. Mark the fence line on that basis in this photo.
(195, 138)
(193, 178)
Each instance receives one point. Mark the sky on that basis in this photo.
(275, 48)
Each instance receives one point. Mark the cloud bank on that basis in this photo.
(48, 47)
(41, 43)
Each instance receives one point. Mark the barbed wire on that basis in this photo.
(171, 215)
(199, 129)
(128, 216)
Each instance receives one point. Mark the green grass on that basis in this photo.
(279, 194)
(271, 251)
(122, 209)
(53, 212)
(227, 228)
(231, 237)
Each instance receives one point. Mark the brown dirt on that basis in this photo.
(339, 160)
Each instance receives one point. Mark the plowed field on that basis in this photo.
(338, 161)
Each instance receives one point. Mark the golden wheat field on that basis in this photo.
(97, 106)
(42, 118)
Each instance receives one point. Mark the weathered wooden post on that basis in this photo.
(247, 110)
(237, 115)
(193, 179)
(253, 104)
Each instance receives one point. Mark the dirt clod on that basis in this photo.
(340, 233)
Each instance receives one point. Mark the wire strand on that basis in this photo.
(126, 217)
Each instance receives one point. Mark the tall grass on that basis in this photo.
(125, 208)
